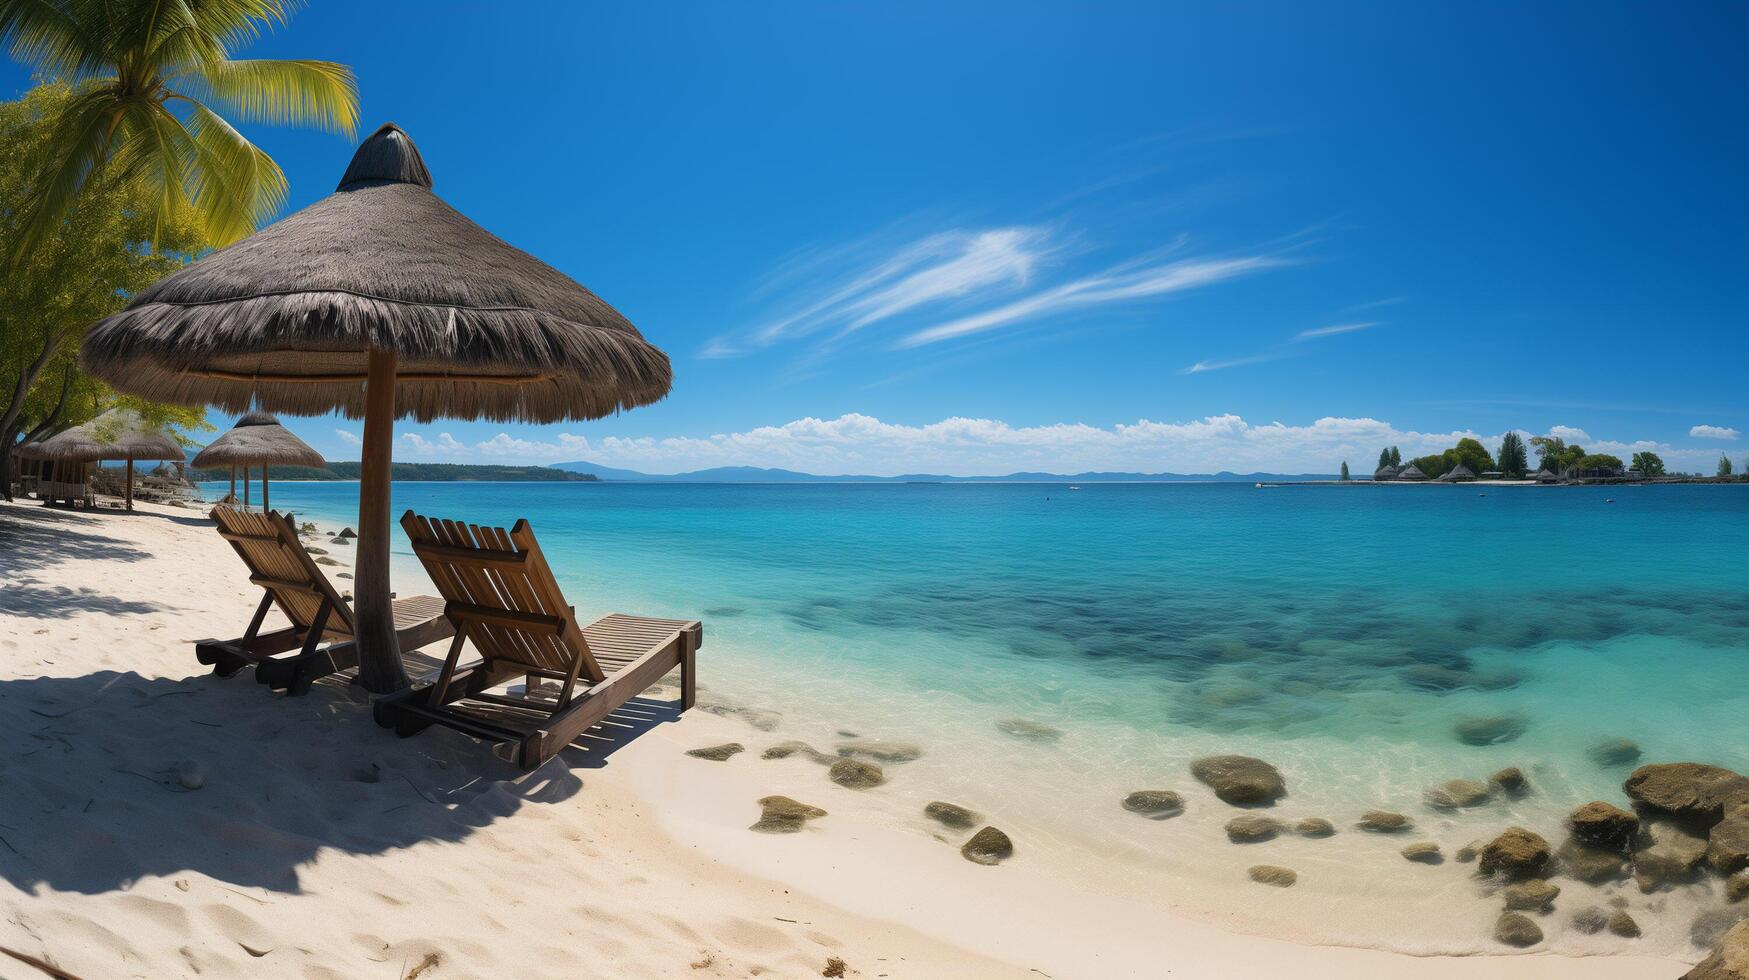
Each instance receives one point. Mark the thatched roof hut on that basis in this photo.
(1547, 476)
(1411, 472)
(284, 319)
(119, 433)
(379, 301)
(1386, 472)
(1457, 474)
(258, 440)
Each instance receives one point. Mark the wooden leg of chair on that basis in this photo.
(688, 674)
(441, 688)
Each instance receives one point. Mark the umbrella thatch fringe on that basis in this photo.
(321, 332)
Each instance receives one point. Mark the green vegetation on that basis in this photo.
(52, 294)
(1396, 457)
(439, 472)
(1724, 465)
(1553, 453)
(1649, 464)
(1597, 463)
(148, 80)
(1514, 460)
(1345, 469)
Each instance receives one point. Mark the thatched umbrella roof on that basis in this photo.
(284, 318)
(259, 440)
(1385, 473)
(1546, 475)
(1411, 472)
(1456, 474)
(119, 433)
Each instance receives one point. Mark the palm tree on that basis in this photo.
(147, 75)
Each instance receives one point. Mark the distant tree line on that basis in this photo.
(439, 472)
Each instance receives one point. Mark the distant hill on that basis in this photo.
(439, 472)
(754, 474)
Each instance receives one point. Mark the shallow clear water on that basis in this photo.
(1340, 632)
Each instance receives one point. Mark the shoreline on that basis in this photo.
(109, 606)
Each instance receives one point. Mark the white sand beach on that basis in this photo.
(156, 821)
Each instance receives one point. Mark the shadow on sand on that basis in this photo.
(112, 777)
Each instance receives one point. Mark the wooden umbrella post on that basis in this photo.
(130, 490)
(265, 505)
(245, 488)
(379, 654)
(233, 497)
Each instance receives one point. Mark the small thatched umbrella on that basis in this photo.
(119, 433)
(1457, 474)
(379, 301)
(1386, 472)
(1547, 476)
(1411, 472)
(257, 439)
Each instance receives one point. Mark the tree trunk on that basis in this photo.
(9, 419)
(379, 655)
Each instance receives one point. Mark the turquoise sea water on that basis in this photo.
(1341, 632)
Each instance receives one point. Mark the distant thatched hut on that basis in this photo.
(119, 433)
(258, 440)
(1412, 472)
(1458, 474)
(1385, 472)
(1547, 476)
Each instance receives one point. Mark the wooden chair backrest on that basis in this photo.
(278, 563)
(497, 585)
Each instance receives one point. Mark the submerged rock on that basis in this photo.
(1269, 874)
(1028, 729)
(1517, 853)
(191, 774)
(1592, 865)
(856, 774)
(1688, 790)
(1615, 752)
(1511, 780)
(1153, 802)
(880, 750)
(988, 846)
(1591, 919)
(1665, 853)
(1535, 895)
(1384, 822)
(1517, 929)
(1728, 842)
(718, 753)
(1240, 779)
(1252, 830)
(1469, 852)
(784, 750)
(1314, 827)
(1737, 887)
(1456, 794)
(782, 815)
(325, 560)
(1711, 926)
(1599, 824)
(1424, 852)
(1729, 961)
(347, 532)
(1622, 924)
(1490, 729)
(951, 815)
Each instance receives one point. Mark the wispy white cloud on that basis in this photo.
(348, 437)
(1331, 331)
(1713, 432)
(1113, 286)
(1201, 367)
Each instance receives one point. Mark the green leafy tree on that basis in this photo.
(1434, 466)
(1470, 453)
(1345, 469)
(1513, 460)
(1548, 452)
(1396, 457)
(1384, 458)
(149, 80)
(1649, 464)
(1724, 465)
(1593, 462)
(56, 291)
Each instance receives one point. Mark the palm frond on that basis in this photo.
(233, 182)
(153, 146)
(55, 36)
(288, 91)
(80, 142)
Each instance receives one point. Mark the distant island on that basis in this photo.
(434, 472)
(755, 474)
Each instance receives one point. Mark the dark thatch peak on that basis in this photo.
(389, 156)
(257, 418)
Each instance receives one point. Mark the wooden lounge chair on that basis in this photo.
(502, 596)
(290, 579)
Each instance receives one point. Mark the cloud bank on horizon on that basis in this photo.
(861, 444)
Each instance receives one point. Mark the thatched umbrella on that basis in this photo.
(379, 301)
(1386, 472)
(1411, 472)
(119, 433)
(257, 439)
(1457, 474)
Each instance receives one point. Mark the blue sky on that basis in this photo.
(979, 237)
